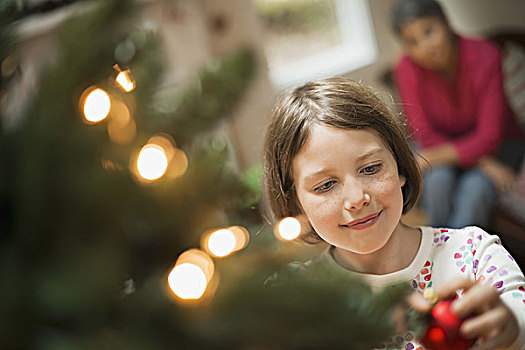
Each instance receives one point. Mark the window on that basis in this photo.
(310, 39)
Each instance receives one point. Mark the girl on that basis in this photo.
(452, 93)
(335, 154)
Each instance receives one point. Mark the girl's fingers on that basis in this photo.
(490, 320)
(478, 298)
(418, 302)
(504, 339)
(485, 324)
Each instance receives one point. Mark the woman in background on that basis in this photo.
(452, 93)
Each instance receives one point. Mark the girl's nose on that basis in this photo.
(356, 199)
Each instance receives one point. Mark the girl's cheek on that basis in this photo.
(382, 185)
(319, 207)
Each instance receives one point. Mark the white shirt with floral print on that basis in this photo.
(450, 253)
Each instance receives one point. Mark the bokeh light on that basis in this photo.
(221, 243)
(121, 127)
(95, 105)
(242, 236)
(192, 274)
(125, 81)
(166, 142)
(152, 162)
(288, 228)
(179, 163)
(187, 281)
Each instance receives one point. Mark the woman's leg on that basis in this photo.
(438, 185)
(474, 200)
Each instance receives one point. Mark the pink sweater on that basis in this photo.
(469, 111)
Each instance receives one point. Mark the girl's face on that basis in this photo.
(428, 41)
(348, 186)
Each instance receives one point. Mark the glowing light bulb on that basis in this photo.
(222, 243)
(125, 81)
(242, 236)
(187, 281)
(152, 162)
(96, 105)
(289, 228)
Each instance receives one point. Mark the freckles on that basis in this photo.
(386, 184)
(319, 210)
(323, 208)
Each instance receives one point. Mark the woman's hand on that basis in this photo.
(438, 155)
(489, 319)
(502, 176)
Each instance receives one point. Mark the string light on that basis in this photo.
(223, 242)
(187, 281)
(165, 142)
(125, 80)
(288, 229)
(158, 157)
(96, 105)
(242, 237)
(191, 276)
(152, 162)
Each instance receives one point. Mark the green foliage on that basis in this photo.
(300, 307)
(198, 107)
(74, 232)
(253, 178)
(85, 248)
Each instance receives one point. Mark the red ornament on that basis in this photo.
(443, 330)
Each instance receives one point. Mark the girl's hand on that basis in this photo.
(489, 319)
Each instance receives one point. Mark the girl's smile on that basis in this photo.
(364, 222)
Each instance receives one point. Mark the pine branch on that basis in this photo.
(215, 93)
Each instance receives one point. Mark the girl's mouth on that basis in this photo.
(364, 222)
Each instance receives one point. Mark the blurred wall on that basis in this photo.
(475, 17)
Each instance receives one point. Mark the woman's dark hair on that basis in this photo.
(404, 11)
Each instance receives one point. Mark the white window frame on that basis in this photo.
(358, 49)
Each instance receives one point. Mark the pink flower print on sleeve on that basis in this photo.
(464, 257)
(423, 279)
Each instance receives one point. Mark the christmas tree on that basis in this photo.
(110, 198)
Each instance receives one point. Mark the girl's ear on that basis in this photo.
(402, 180)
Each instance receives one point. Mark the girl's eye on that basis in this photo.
(372, 169)
(325, 187)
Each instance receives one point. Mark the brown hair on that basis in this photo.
(336, 102)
